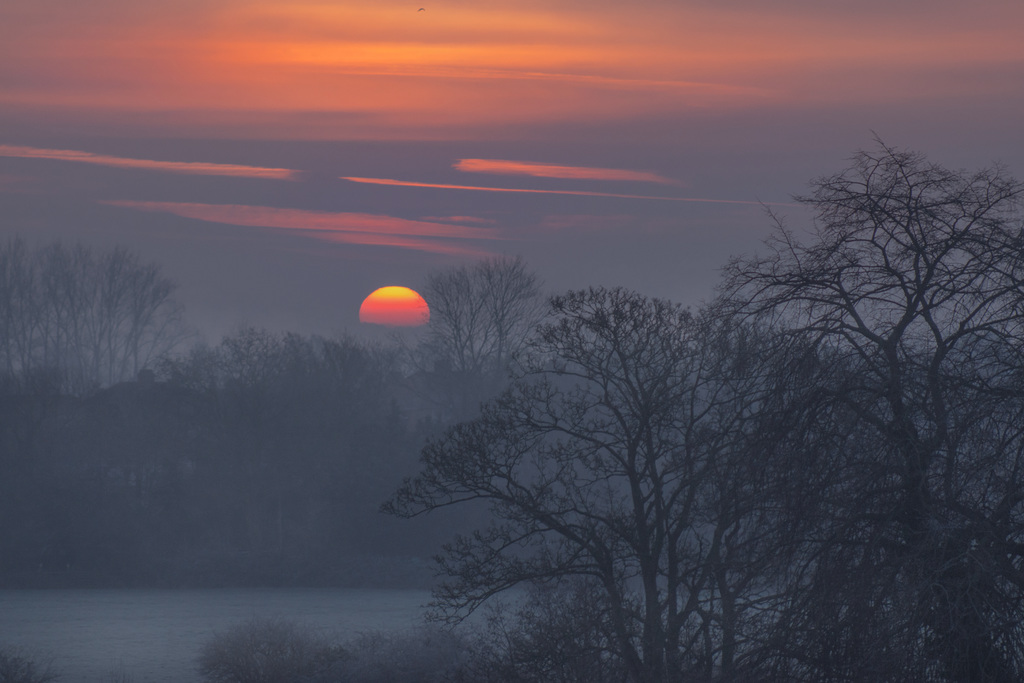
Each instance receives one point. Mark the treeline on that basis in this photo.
(817, 477)
(262, 460)
(259, 461)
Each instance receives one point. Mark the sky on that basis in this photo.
(282, 160)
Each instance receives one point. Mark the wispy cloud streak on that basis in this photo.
(349, 228)
(186, 167)
(582, 193)
(462, 219)
(542, 170)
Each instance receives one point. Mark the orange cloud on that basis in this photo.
(344, 69)
(187, 167)
(582, 193)
(348, 228)
(461, 219)
(541, 170)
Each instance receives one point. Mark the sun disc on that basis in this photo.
(395, 307)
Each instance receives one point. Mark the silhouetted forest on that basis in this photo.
(818, 476)
(260, 461)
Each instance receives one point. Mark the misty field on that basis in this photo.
(155, 635)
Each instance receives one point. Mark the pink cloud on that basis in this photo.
(582, 193)
(187, 167)
(462, 219)
(541, 170)
(349, 228)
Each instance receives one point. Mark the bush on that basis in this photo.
(18, 667)
(267, 651)
(425, 655)
(553, 634)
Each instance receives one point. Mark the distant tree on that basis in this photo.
(912, 291)
(262, 459)
(620, 464)
(97, 318)
(480, 317)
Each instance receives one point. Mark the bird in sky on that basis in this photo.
(422, 9)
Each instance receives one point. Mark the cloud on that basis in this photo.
(542, 170)
(187, 167)
(348, 228)
(383, 69)
(582, 193)
(461, 219)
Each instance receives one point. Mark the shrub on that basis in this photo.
(553, 634)
(424, 655)
(18, 667)
(267, 651)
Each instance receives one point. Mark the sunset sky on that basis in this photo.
(283, 160)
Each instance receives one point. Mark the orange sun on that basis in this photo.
(394, 306)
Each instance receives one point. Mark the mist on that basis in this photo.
(721, 379)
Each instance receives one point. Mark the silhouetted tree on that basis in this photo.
(912, 291)
(480, 317)
(621, 461)
(96, 318)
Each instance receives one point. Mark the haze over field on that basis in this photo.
(282, 161)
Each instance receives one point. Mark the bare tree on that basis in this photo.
(480, 318)
(481, 315)
(97, 318)
(913, 289)
(619, 461)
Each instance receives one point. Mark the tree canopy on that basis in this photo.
(819, 477)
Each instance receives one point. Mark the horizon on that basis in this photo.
(281, 163)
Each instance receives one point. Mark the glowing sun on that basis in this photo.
(394, 306)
